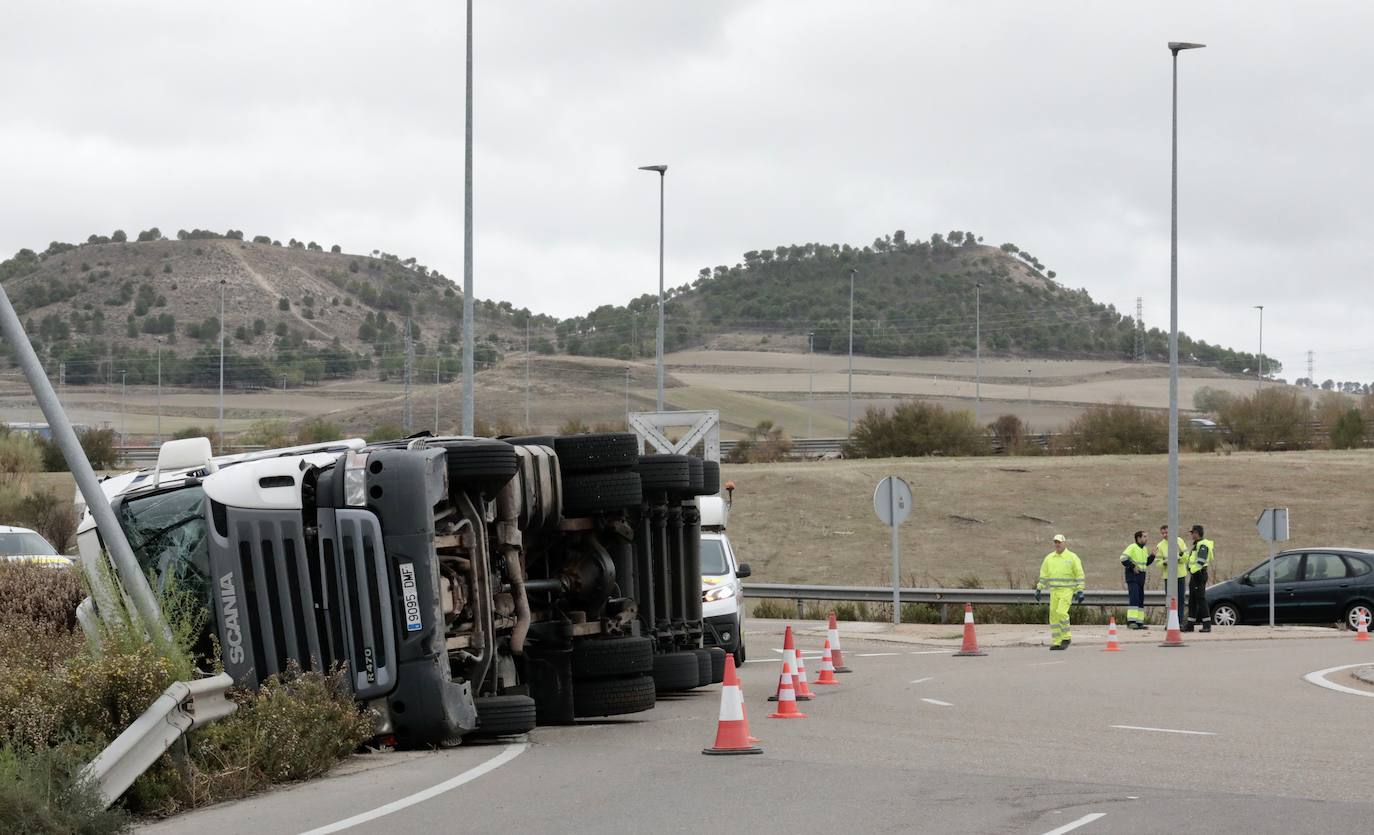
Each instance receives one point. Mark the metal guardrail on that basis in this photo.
(182, 707)
(941, 596)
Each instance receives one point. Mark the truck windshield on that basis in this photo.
(713, 558)
(168, 536)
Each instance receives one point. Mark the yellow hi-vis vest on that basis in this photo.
(1137, 555)
(1162, 557)
(1061, 571)
(1204, 551)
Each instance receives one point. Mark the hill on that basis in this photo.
(295, 311)
(911, 298)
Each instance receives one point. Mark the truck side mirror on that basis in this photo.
(743, 570)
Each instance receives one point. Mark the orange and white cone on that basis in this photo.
(787, 697)
(732, 731)
(970, 639)
(832, 634)
(791, 656)
(1112, 645)
(827, 675)
(1362, 634)
(1173, 637)
(804, 693)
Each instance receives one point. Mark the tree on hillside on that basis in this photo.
(150, 235)
(119, 237)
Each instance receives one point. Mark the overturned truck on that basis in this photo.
(465, 585)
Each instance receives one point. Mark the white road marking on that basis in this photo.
(930, 652)
(875, 654)
(1319, 678)
(938, 702)
(1072, 825)
(919, 680)
(511, 752)
(1162, 730)
(1047, 663)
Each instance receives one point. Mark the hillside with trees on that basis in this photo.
(296, 311)
(911, 298)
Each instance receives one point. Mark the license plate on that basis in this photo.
(411, 596)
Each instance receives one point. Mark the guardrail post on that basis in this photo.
(801, 608)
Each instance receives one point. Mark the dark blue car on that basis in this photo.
(1311, 585)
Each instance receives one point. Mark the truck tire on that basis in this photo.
(710, 478)
(717, 664)
(665, 473)
(590, 493)
(504, 715)
(676, 671)
(612, 658)
(598, 452)
(484, 464)
(703, 666)
(530, 440)
(696, 467)
(612, 696)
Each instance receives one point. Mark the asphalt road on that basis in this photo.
(914, 740)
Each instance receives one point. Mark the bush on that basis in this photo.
(19, 456)
(269, 433)
(1210, 400)
(1348, 432)
(318, 431)
(385, 432)
(53, 517)
(1117, 429)
(1269, 419)
(101, 447)
(41, 793)
(1010, 433)
(915, 428)
(765, 443)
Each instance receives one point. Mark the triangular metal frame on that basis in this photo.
(703, 428)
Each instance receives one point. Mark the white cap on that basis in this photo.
(1059, 537)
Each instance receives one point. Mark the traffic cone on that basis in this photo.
(732, 731)
(1112, 645)
(832, 634)
(787, 698)
(970, 640)
(804, 693)
(744, 708)
(1173, 637)
(789, 653)
(1362, 634)
(827, 675)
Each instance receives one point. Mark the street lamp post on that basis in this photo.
(1171, 589)
(849, 424)
(810, 379)
(123, 426)
(221, 366)
(469, 397)
(159, 391)
(1260, 382)
(662, 175)
(978, 353)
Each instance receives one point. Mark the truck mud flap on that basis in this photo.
(549, 674)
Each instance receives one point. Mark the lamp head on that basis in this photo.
(661, 169)
(1178, 46)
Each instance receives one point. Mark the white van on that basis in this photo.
(722, 593)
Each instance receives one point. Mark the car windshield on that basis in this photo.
(1285, 570)
(168, 536)
(25, 544)
(713, 558)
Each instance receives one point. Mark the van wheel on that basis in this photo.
(739, 653)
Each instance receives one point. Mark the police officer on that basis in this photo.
(1162, 558)
(1135, 560)
(1199, 560)
(1062, 573)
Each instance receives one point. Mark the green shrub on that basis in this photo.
(19, 456)
(1269, 419)
(41, 793)
(915, 428)
(318, 431)
(1348, 433)
(101, 447)
(384, 432)
(778, 609)
(763, 444)
(1115, 430)
(53, 517)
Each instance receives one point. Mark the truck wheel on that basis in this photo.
(717, 664)
(612, 696)
(675, 671)
(591, 493)
(481, 463)
(703, 666)
(665, 473)
(504, 715)
(530, 440)
(612, 657)
(710, 478)
(597, 452)
(696, 467)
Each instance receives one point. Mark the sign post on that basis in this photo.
(892, 502)
(1273, 527)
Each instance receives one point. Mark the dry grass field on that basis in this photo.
(814, 522)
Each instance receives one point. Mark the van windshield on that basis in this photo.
(713, 558)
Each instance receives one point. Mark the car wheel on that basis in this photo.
(1225, 614)
(1358, 612)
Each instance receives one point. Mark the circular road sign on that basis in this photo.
(892, 500)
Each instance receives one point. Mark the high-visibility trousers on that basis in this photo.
(1135, 596)
(1059, 615)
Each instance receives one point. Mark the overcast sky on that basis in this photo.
(782, 121)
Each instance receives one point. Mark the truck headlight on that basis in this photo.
(717, 593)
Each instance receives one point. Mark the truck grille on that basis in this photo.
(316, 610)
